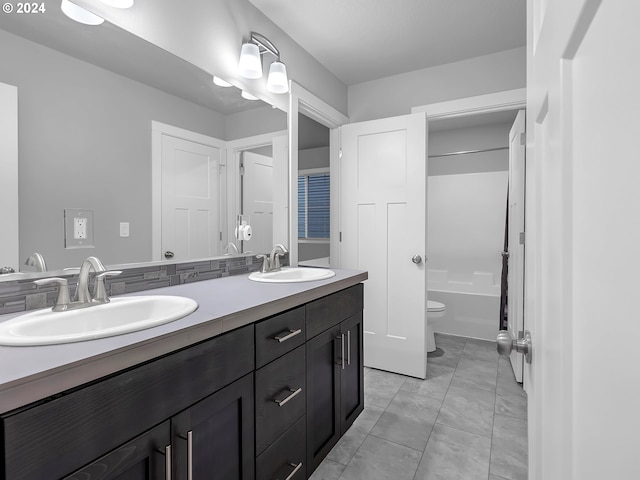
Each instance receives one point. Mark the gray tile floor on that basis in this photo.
(466, 421)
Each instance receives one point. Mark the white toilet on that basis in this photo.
(435, 310)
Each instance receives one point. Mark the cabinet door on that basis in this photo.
(323, 395)
(351, 374)
(214, 438)
(144, 458)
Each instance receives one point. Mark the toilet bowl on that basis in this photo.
(435, 310)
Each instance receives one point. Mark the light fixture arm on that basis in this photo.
(264, 44)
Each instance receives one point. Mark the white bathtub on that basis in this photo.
(472, 306)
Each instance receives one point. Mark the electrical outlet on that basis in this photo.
(78, 228)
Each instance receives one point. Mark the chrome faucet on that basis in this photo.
(83, 297)
(82, 290)
(230, 249)
(36, 260)
(274, 258)
(271, 262)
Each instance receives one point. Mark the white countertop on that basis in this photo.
(28, 374)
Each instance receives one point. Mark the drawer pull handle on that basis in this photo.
(294, 471)
(287, 334)
(292, 393)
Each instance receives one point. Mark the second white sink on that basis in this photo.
(292, 275)
(121, 315)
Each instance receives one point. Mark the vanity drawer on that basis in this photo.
(278, 335)
(285, 455)
(280, 396)
(328, 311)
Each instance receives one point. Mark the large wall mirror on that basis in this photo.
(119, 141)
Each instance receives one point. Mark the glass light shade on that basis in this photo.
(277, 82)
(248, 96)
(250, 64)
(220, 82)
(118, 3)
(79, 14)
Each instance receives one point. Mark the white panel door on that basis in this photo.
(257, 200)
(383, 225)
(190, 199)
(515, 275)
(582, 275)
(9, 177)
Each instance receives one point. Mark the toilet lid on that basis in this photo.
(435, 306)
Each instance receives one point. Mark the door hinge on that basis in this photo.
(220, 236)
(340, 153)
(340, 237)
(523, 139)
(241, 169)
(522, 238)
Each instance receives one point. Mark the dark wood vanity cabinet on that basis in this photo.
(264, 401)
(335, 383)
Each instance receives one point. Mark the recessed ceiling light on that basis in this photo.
(248, 96)
(118, 3)
(79, 14)
(220, 82)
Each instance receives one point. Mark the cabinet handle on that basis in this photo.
(287, 334)
(294, 471)
(293, 393)
(190, 455)
(189, 439)
(341, 338)
(348, 347)
(167, 461)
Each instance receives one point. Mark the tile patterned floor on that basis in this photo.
(466, 421)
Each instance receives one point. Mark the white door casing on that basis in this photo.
(257, 200)
(190, 199)
(383, 194)
(516, 212)
(582, 265)
(9, 251)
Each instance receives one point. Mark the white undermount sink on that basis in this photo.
(292, 275)
(120, 315)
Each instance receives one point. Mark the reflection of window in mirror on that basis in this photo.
(313, 192)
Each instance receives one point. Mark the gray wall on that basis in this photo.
(264, 119)
(396, 95)
(85, 142)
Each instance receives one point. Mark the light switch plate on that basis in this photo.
(78, 228)
(124, 229)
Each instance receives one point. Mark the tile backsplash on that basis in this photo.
(22, 295)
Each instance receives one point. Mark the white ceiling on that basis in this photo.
(362, 40)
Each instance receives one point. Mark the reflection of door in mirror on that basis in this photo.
(257, 199)
(8, 178)
(191, 201)
(313, 193)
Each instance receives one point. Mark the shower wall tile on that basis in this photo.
(19, 296)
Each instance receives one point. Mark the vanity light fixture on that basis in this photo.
(118, 3)
(250, 64)
(79, 14)
(220, 82)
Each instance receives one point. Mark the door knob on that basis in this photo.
(168, 254)
(417, 259)
(505, 344)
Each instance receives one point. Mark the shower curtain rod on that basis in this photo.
(464, 152)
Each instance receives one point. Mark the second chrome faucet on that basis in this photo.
(271, 262)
